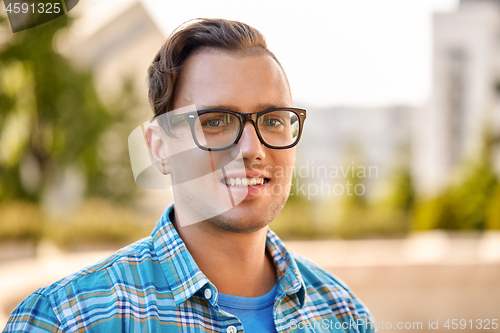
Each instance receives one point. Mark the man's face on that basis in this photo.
(246, 84)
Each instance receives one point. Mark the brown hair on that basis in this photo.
(191, 37)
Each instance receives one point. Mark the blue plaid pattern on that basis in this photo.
(154, 285)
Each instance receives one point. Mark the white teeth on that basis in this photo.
(243, 181)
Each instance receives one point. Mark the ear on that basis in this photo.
(158, 148)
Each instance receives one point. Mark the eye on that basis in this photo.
(215, 122)
(271, 122)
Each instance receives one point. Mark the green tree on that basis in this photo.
(51, 117)
(493, 210)
(403, 195)
(296, 220)
(467, 204)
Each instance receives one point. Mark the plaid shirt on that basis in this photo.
(154, 285)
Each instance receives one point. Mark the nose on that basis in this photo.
(250, 145)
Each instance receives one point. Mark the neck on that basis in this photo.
(236, 263)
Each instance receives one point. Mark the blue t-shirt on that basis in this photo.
(255, 313)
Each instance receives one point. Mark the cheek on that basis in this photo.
(288, 156)
(284, 161)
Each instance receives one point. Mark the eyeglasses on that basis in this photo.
(216, 130)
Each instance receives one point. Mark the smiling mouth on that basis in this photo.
(244, 181)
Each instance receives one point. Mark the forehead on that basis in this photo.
(213, 78)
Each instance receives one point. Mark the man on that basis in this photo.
(211, 264)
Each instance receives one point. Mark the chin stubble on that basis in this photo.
(228, 224)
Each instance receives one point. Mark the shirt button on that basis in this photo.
(208, 294)
(231, 329)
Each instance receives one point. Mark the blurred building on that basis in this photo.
(343, 138)
(117, 40)
(466, 94)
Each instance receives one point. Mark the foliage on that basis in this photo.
(373, 222)
(350, 215)
(384, 217)
(402, 196)
(98, 222)
(95, 223)
(470, 204)
(295, 220)
(493, 210)
(20, 221)
(51, 116)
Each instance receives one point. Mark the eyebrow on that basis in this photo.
(257, 108)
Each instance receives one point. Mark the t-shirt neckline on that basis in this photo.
(248, 303)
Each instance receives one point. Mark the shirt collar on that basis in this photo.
(289, 278)
(181, 271)
(185, 278)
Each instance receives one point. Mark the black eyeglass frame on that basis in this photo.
(192, 116)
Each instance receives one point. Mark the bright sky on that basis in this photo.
(335, 52)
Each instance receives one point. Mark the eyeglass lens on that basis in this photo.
(219, 129)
